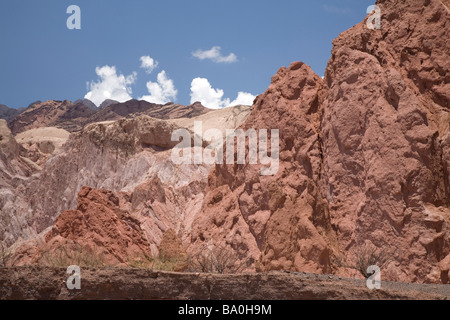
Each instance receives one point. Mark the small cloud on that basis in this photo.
(243, 98)
(215, 55)
(336, 10)
(110, 86)
(201, 90)
(162, 91)
(148, 64)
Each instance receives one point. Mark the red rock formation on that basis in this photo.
(275, 222)
(64, 114)
(364, 156)
(98, 223)
(364, 161)
(386, 116)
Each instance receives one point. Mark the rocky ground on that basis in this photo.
(140, 284)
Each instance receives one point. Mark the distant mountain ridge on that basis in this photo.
(8, 113)
(52, 113)
(73, 116)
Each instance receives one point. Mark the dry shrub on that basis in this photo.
(159, 262)
(72, 254)
(370, 256)
(5, 255)
(172, 255)
(208, 259)
(367, 256)
(215, 259)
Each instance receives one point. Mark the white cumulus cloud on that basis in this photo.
(110, 86)
(243, 98)
(201, 90)
(162, 91)
(215, 55)
(148, 64)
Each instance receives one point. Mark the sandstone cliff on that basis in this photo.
(364, 156)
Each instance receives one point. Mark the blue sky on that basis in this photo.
(41, 59)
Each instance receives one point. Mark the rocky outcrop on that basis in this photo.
(363, 157)
(275, 222)
(128, 155)
(14, 171)
(9, 147)
(75, 116)
(47, 283)
(8, 114)
(133, 108)
(176, 111)
(364, 162)
(39, 144)
(62, 114)
(100, 222)
(42, 178)
(107, 103)
(384, 125)
(99, 231)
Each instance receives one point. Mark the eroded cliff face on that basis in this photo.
(65, 114)
(14, 171)
(364, 162)
(129, 157)
(275, 222)
(385, 134)
(364, 156)
(100, 229)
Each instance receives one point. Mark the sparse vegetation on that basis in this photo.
(215, 259)
(208, 259)
(72, 254)
(367, 256)
(5, 255)
(159, 262)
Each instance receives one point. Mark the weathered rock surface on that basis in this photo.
(14, 171)
(275, 222)
(363, 156)
(384, 128)
(107, 103)
(130, 156)
(99, 223)
(364, 161)
(132, 108)
(75, 116)
(62, 114)
(135, 284)
(41, 143)
(8, 114)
